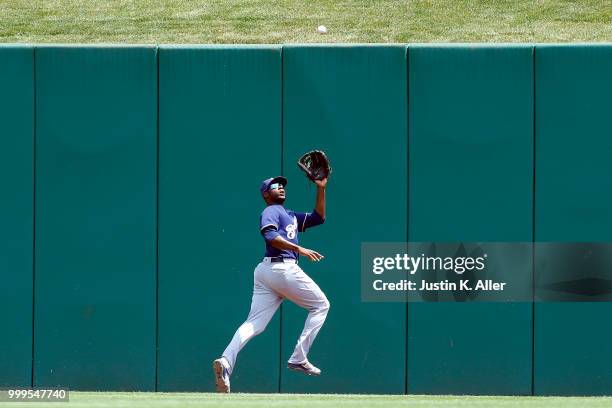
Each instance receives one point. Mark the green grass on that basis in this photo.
(290, 21)
(117, 399)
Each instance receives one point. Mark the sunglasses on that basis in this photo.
(275, 186)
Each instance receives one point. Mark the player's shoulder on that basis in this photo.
(291, 213)
(273, 209)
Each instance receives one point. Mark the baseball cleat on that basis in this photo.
(222, 378)
(306, 368)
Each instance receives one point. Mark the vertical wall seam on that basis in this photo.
(282, 165)
(157, 183)
(533, 225)
(407, 206)
(34, 105)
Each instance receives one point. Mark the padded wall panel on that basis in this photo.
(96, 217)
(573, 355)
(16, 213)
(220, 136)
(470, 166)
(351, 102)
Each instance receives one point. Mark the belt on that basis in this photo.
(275, 259)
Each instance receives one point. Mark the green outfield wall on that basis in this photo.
(129, 219)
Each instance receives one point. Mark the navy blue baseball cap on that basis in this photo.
(265, 185)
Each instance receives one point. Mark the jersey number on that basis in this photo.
(291, 229)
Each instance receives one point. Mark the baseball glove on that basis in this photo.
(315, 164)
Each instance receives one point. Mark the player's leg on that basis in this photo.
(264, 304)
(302, 290)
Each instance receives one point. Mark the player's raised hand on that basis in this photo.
(320, 183)
(310, 254)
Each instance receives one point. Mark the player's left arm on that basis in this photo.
(317, 217)
(320, 203)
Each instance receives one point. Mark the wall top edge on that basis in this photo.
(507, 45)
(271, 47)
(302, 45)
(80, 45)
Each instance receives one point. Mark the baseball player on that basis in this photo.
(277, 277)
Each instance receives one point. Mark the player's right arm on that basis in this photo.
(271, 235)
(281, 243)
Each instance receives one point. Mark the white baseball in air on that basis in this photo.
(322, 29)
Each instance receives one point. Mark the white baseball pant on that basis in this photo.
(272, 283)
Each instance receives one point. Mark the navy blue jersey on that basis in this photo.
(275, 220)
